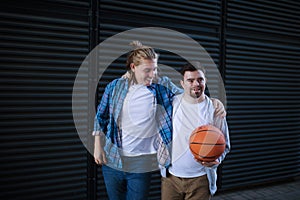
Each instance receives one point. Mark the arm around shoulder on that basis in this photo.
(219, 108)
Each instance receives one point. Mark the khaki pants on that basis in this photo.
(176, 188)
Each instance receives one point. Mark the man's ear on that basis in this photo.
(132, 67)
(181, 83)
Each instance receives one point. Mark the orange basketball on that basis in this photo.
(207, 143)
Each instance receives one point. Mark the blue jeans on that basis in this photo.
(126, 186)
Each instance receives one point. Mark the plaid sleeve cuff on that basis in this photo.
(96, 133)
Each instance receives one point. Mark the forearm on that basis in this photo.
(99, 154)
(225, 131)
(99, 140)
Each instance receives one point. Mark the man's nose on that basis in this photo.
(196, 83)
(151, 74)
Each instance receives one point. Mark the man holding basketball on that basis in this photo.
(185, 177)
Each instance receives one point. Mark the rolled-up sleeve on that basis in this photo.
(102, 116)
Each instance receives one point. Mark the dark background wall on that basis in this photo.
(255, 45)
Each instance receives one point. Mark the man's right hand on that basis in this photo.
(99, 153)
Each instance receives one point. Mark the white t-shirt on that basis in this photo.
(139, 129)
(187, 117)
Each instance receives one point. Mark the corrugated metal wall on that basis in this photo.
(263, 91)
(254, 43)
(42, 45)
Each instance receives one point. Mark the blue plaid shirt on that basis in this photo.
(110, 107)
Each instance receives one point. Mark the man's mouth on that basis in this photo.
(196, 90)
(148, 82)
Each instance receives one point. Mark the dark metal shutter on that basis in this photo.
(198, 19)
(42, 45)
(262, 82)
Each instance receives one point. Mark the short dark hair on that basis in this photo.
(192, 66)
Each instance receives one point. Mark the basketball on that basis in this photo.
(207, 143)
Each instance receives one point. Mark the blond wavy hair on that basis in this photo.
(139, 52)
